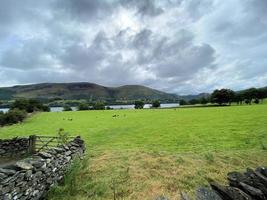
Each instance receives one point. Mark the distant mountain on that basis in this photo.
(84, 90)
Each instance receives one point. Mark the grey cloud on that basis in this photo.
(144, 7)
(175, 45)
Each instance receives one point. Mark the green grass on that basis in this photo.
(148, 153)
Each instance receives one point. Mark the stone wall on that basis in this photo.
(32, 177)
(242, 186)
(14, 147)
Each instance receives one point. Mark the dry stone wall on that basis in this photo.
(14, 147)
(32, 177)
(251, 185)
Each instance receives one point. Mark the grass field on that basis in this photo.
(142, 154)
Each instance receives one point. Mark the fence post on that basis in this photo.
(32, 144)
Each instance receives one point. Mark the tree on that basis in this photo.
(183, 102)
(261, 94)
(238, 97)
(222, 96)
(203, 100)
(67, 108)
(250, 94)
(193, 101)
(99, 106)
(83, 106)
(139, 104)
(12, 117)
(29, 105)
(256, 101)
(156, 104)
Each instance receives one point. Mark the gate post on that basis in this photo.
(32, 144)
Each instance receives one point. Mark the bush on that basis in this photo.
(83, 106)
(256, 101)
(139, 104)
(183, 102)
(99, 106)
(2, 118)
(29, 105)
(193, 101)
(12, 117)
(156, 104)
(203, 100)
(67, 108)
(109, 108)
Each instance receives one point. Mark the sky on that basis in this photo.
(177, 46)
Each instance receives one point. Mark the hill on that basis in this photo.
(84, 90)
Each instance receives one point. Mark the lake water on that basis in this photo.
(115, 107)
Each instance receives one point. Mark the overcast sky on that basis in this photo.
(178, 46)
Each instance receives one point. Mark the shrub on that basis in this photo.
(29, 105)
(67, 108)
(99, 106)
(12, 117)
(156, 104)
(83, 106)
(256, 101)
(2, 117)
(193, 101)
(139, 104)
(109, 108)
(183, 102)
(203, 100)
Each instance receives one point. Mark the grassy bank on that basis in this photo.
(141, 154)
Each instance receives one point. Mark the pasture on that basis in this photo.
(142, 154)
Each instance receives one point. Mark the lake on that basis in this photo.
(115, 107)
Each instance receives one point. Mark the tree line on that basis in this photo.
(228, 96)
(19, 110)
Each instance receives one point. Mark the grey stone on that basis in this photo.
(59, 150)
(254, 192)
(23, 165)
(30, 178)
(37, 163)
(7, 171)
(206, 194)
(28, 174)
(2, 175)
(231, 193)
(45, 155)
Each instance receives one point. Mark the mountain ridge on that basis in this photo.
(84, 90)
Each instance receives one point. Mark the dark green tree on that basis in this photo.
(139, 104)
(203, 100)
(156, 104)
(250, 94)
(183, 102)
(256, 101)
(83, 106)
(99, 106)
(29, 105)
(67, 108)
(223, 96)
(193, 101)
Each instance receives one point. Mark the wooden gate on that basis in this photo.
(42, 143)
